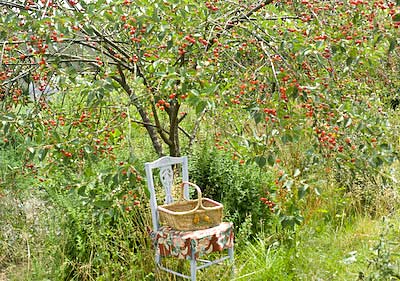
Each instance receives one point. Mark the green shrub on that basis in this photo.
(104, 225)
(238, 186)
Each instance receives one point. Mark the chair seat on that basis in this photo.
(179, 244)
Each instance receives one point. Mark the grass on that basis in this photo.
(32, 240)
(329, 245)
(335, 253)
(321, 252)
(333, 243)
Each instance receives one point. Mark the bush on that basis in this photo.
(105, 226)
(238, 186)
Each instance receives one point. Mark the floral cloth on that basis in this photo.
(179, 244)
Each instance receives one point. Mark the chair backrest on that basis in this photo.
(165, 165)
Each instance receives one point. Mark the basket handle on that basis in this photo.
(199, 195)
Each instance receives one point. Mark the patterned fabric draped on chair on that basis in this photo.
(179, 244)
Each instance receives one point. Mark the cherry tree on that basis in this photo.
(160, 54)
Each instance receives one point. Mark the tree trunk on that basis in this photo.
(174, 147)
(151, 130)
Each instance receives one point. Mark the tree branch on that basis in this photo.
(110, 42)
(64, 40)
(244, 17)
(196, 128)
(146, 120)
(158, 124)
(23, 74)
(16, 5)
(148, 124)
(182, 117)
(107, 53)
(184, 132)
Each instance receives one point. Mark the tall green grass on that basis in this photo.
(51, 233)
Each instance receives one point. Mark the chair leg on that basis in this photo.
(157, 259)
(193, 266)
(193, 270)
(232, 260)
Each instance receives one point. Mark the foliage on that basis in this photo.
(103, 243)
(27, 223)
(304, 59)
(286, 65)
(239, 187)
(140, 48)
(95, 194)
(319, 100)
(382, 263)
(301, 98)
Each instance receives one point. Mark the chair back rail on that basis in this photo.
(165, 166)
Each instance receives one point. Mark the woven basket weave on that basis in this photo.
(191, 214)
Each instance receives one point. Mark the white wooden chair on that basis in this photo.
(188, 245)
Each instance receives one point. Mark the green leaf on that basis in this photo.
(377, 38)
(6, 127)
(88, 149)
(31, 153)
(287, 138)
(260, 160)
(194, 92)
(385, 146)
(299, 219)
(271, 160)
(155, 15)
(108, 16)
(115, 180)
(211, 89)
(257, 117)
(107, 179)
(376, 161)
(201, 106)
(9, 117)
(147, 192)
(56, 136)
(349, 60)
(288, 184)
(42, 154)
(396, 17)
(287, 221)
(302, 191)
(103, 203)
(81, 190)
(392, 43)
(348, 122)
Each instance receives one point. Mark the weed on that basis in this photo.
(382, 265)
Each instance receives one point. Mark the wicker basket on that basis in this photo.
(191, 214)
